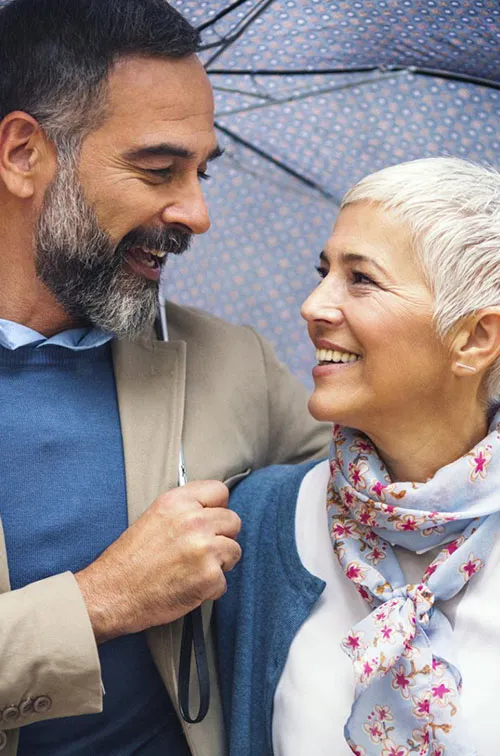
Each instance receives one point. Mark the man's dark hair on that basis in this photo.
(55, 56)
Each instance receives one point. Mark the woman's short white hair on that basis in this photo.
(452, 209)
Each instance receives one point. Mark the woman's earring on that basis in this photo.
(466, 367)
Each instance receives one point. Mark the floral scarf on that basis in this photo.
(407, 684)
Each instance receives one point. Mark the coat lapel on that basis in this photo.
(150, 382)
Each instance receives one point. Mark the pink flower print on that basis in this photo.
(422, 707)
(357, 750)
(452, 547)
(401, 681)
(440, 693)
(422, 736)
(378, 488)
(342, 528)
(367, 516)
(375, 555)
(391, 749)
(381, 614)
(388, 508)
(364, 593)
(383, 713)
(437, 667)
(371, 537)
(355, 572)
(368, 670)
(362, 445)
(479, 459)
(374, 730)
(387, 633)
(352, 641)
(407, 523)
(357, 470)
(348, 497)
(470, 567)
(431, 569)
(437, 749)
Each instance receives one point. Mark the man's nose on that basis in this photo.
(188, 208)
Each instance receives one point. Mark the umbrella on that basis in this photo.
(311, 96)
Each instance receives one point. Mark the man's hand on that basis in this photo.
(165, 564)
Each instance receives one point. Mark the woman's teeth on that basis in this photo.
(330, 355)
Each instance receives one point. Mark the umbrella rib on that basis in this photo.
(316, 92)
(220, 15)
(278, 163)
(230, 90)
(230, 40)
(438, 72)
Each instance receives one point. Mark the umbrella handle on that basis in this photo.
(193, 638)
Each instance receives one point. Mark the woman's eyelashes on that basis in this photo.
(361, 278)
(355, 276)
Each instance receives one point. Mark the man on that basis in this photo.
(106, 129)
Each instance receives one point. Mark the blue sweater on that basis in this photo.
(62, 502)
(270, 594)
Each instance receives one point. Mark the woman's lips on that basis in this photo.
(329, 368)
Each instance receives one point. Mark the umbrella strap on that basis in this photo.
(193, 640)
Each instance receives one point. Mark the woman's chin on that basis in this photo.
(327, 411)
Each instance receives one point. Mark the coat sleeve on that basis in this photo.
(293, 435)
(50, 664)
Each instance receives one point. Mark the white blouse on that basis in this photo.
(315, 693)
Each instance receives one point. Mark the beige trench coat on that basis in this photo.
(219, 388)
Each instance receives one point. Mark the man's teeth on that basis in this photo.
(330, 355)
(161, 255)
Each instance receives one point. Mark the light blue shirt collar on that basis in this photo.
(14, 335)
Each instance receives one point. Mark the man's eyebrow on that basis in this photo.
(164, 149)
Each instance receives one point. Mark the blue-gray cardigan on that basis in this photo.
(270, 594)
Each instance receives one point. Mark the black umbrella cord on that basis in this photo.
(193, 641)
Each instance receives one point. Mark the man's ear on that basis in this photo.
(476, 343)
(26, 157)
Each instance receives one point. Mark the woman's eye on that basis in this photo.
(360, 278)
(203, 176)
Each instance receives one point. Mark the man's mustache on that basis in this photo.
(172, 241)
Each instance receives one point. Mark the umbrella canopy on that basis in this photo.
(311, 96)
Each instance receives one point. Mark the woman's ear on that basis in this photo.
(26, 158)
(476, 343)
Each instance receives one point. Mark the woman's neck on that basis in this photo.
(415, 452)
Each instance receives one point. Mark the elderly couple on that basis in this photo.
(360, 616)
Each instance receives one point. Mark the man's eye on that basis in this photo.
(361, 278)
(160, 172)
(322, 272)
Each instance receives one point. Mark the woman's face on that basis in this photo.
(370, 319)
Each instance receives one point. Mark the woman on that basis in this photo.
(363, 615)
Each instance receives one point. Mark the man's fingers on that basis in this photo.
(224, 522)
(208, 493)
(229, 552)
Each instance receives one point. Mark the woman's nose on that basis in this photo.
(324, 303)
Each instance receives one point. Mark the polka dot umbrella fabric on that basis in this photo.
(310, 97)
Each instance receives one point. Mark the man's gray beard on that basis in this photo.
(82, 267)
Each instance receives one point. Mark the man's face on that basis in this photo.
(134, 196)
